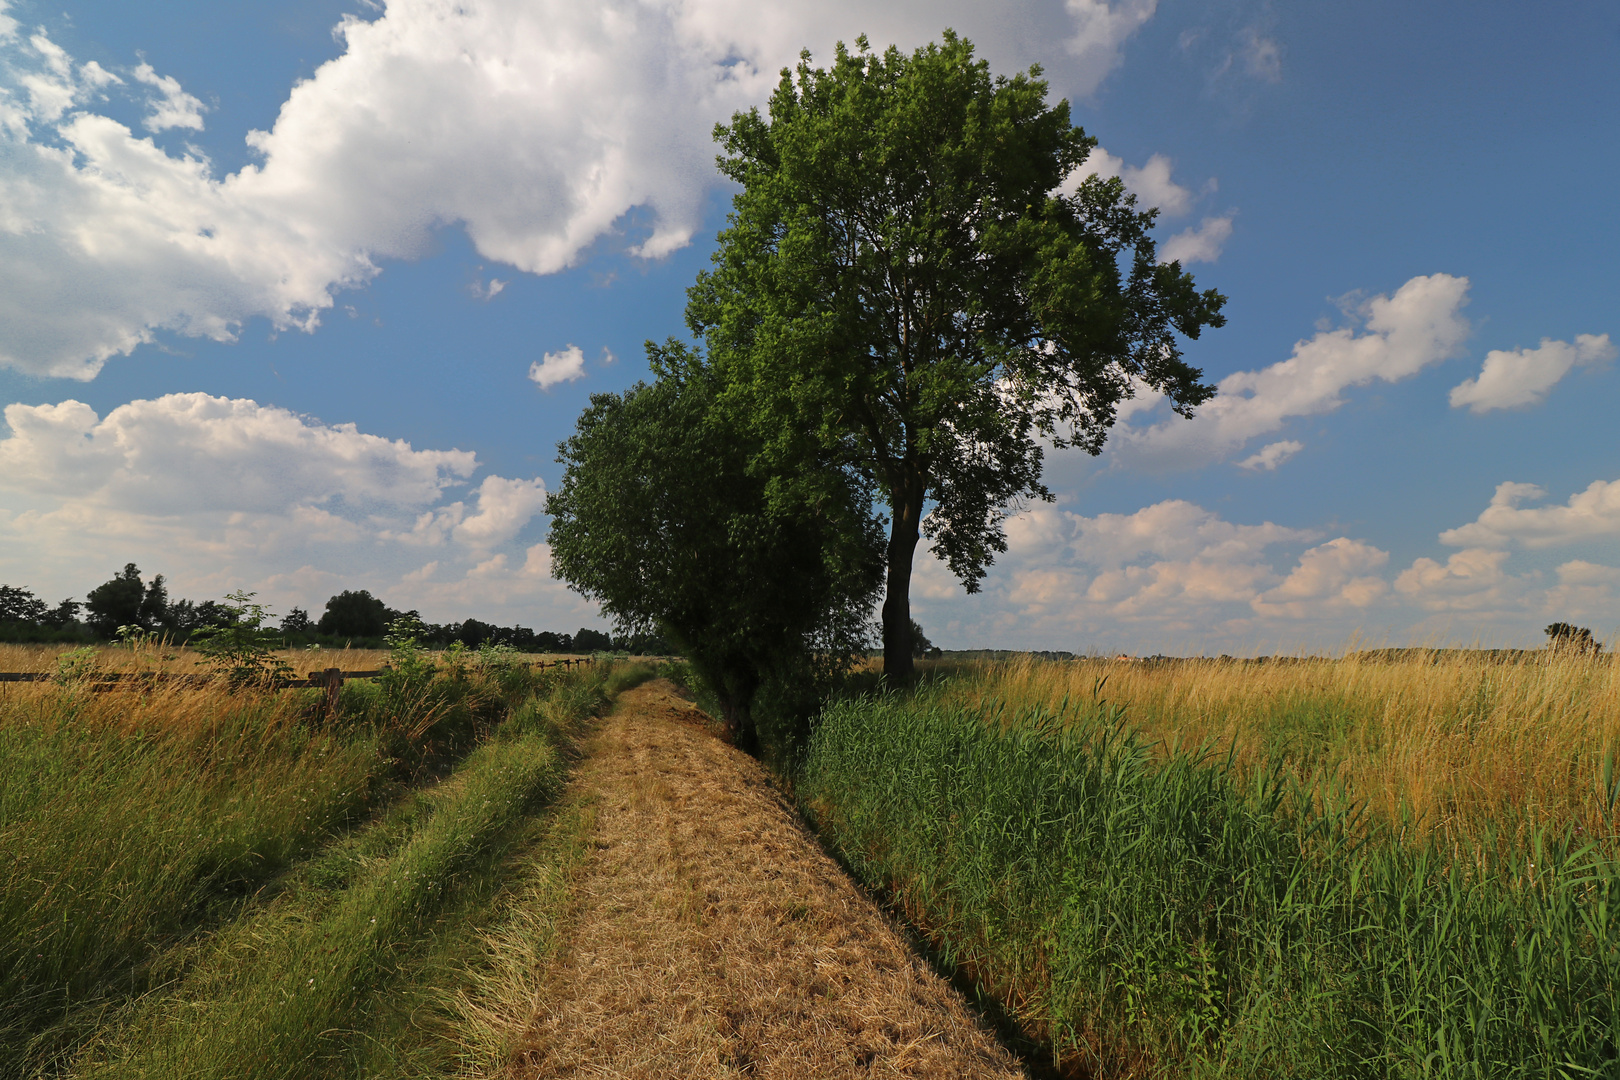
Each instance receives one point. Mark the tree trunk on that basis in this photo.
(905, 520)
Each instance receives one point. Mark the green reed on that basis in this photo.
(1158, 911)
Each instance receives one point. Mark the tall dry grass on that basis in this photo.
(178, 659)
(1440, 737)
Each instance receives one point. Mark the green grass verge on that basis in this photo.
(136, 832)
(1154, 914)
(116, 845)
(360, 964)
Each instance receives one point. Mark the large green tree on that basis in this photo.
(759, 579)
(912, 283)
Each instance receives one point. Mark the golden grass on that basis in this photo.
(1442, 737)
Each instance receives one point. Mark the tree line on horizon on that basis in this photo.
(127, 604)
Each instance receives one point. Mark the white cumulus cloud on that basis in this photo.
(1202, 244)
(1339, 573)
(535, 125)
(173, 107)
(558, 367)
(187, 453)
(222, 493)
(1523, 376)
(1151, 183)
(1101, 30)
(1271, 455)
(1166, 569)
(1469, 581)
(1421, 324)
(1587, 515)
(504, 508)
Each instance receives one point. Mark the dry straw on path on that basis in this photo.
(711, 936)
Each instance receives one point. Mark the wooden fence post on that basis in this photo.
(332, 678)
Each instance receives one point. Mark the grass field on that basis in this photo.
(1397, 865)
(1348, 868)
(193, 879)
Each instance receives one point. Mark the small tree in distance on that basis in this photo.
(1564, 638)
(920, 645)
(297, 622)
(354, 614)
(117, 602)
(242, 649)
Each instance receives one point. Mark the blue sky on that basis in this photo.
(300, 296)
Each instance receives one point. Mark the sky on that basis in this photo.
(300, 296)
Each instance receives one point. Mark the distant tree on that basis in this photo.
(473, 633)
(21, 606)
(586, 640)
(920, 645)
(117, 602)
(355, 614)
(63, 615)
(213, 614)
(755, 579)
(523, 639)
(181, 616)
(297, 622)
(643, 645)
(1562, 637)
(545, 642)
(905, 284)
(155, 605)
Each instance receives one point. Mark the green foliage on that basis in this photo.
(591, 641)
(904, 287)
(920, 645)
(21, 605)
(242, 650)
(759, 580)
(117, 602)
(410, 668)
(75, 665)
(1158, 914)
(354, 614)
(297, 622)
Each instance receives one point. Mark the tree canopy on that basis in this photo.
(355, 613)
(914, 287)
(120, 601)
(1565, 637)
(658, 516)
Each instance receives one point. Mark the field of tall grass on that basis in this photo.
(195, 878)
(1363, 867)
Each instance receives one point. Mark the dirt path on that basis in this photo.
(711, 937)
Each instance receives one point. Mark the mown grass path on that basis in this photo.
(710, 936)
